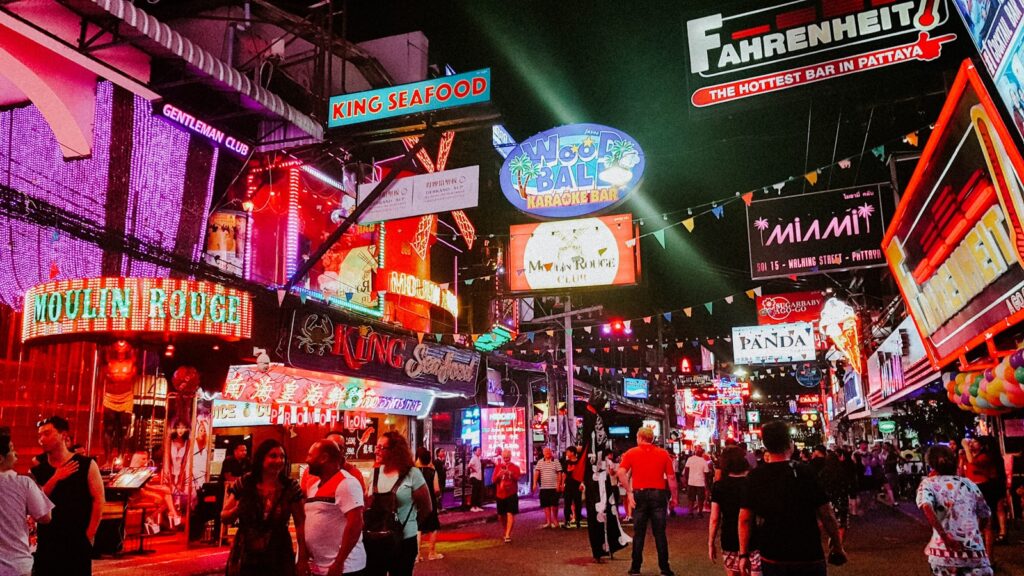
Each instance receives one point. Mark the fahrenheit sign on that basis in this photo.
(89, 305)
(434, 94)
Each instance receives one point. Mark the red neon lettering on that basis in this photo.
(444, 92)
(479, 86)
(337, 110)
(462, 88)
(396, 353)
(375, 105)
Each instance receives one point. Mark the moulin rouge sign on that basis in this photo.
(816, 233)
(317, 342)
(84, 306)
(761, 49)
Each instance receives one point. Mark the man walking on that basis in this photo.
(74, 485)
(573, 488)
(787, 503)
(547, 475)
(475, 469)
(696, 473)
(334, 515)
(646, 472)
(506, 483)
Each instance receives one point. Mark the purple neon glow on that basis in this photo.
(31, 162)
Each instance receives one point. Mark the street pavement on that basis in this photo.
(882, 543)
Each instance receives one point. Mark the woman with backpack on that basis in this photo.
(397, 501)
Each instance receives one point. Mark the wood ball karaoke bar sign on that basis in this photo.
(87, 306)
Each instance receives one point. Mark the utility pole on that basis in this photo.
(566, 317)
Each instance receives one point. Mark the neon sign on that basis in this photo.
(434, 94)
(425, 290)
(954, 246)
(162, 305)
(197, 126)
(572, 171)
(279, 385)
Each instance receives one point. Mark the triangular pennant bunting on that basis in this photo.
(668, 316)
(812, 177)
(718, 211)
(659, 235)
(748, 198)
(728, 299)
(689, 224)
(688, 311)
(709, 306)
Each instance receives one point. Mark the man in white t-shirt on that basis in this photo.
(21, 498)
(334, 514)
(475, 469)
(696, 472)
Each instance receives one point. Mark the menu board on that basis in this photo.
(504, 428)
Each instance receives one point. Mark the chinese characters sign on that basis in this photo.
(133, 305)
(279, 385)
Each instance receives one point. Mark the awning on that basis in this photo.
(279, 385)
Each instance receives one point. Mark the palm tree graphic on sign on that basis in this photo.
(523, 169)
(761, 224)
(865, 211)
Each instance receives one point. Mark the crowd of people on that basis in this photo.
(770, 509)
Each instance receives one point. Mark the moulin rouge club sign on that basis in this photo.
(318, 342)
(434, 94)
(816, 233)
(572, 171)
(761, 49)
(135, 305)
(573, 254)
(955, 244)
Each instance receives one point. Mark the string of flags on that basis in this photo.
(716, 208)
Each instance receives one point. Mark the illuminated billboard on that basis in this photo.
(572, 171)
(773, 344)
(86, 306)
(741, 50)
(574, 254)
(634, 388)
(954, 245)
(433, 94)
(789, 307)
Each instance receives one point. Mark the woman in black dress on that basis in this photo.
(430, 526)
(263, 501)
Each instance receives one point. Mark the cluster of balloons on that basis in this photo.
(991, 392)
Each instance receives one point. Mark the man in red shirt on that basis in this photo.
(506, 481)
(646, 472)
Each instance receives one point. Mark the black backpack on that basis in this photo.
(381, 527)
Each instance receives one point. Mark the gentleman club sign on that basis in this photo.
(757, 49)
(318, 342)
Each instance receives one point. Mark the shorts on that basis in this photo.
(993, 491)
(548, 497)
(508, 505)
(695, 492)
(940, 567)
(731, 561)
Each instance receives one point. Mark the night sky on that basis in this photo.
(625, 65)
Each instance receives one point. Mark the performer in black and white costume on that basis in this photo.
(603, 526)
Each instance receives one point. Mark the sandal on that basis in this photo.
(435, 556)
(508, 540)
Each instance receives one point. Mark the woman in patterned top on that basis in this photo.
(956, 510)
(263, 501)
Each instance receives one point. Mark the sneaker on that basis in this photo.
(633, 572)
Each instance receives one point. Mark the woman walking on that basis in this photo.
(395, 474)
(263, 501)
(727, 495)
(430, 526)
(956, 511)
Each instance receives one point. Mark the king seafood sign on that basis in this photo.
(816, 233)
(316, 341)
(758, 49)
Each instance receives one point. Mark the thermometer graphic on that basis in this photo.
(928, 16)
